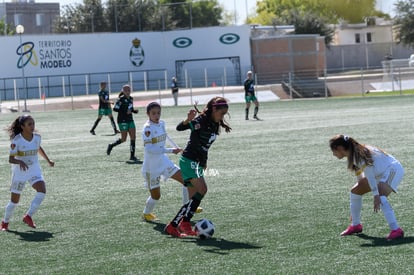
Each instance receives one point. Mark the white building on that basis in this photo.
(374, 30)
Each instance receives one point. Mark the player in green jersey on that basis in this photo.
(104, 108)
(124, 106)
(204, 130)
(249, 95)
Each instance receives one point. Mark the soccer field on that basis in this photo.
(277, 195)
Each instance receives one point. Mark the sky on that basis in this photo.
(242, 7)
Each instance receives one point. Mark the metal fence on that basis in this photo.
(39, 87)
(393, 75)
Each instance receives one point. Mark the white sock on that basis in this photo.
(9, 211)
(37, 200)
(356, 207)
(185, 195)
(388, 213)
(150, 205)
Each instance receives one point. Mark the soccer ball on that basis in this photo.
(204, 229)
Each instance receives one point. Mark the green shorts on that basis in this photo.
(250, 98)
(104, 112)
(190, 169)
(125, 126)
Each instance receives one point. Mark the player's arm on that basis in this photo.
(13, 160)
(185, 124)
(44, 155)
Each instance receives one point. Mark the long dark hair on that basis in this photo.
(16, 127)
(358, 152)
(217, 102)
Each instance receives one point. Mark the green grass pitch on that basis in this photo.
(277, 196)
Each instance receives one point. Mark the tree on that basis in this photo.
(352, 11)
(86, 17)
(5, 29)
(138, 15)
(404, 21)
(307, 23)
(189, 14)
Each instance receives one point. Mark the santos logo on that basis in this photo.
(52, 54)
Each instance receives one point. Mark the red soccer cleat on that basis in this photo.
(352, 229)
(173, 231)
(4, 226)
(28, 220)
(186, 228)
(395, 234)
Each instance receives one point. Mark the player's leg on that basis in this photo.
(111, 118)
(155, 195)
(9, 209)
(247, 98)
(355, 204)
(40, 188)
(16, 188)
(100, 114)
(385, 188)
(186, 193)
(256, 108)
(192, 174)
(132, 136)
(124, 133)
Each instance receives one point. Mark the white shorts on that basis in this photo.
(152, 179)
(393, 176)
(19, 178)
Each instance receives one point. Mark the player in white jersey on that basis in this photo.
(24, 150)
(377, 172)
(157, 166)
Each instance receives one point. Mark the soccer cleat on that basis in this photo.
(247, 118)
(256, 117)
(4, 226)
(92, 132)
(134, 159)
(185, 227)
(352, 229)
(150, 217)
(395, 234)
(109, 149)
(28, 220)
(199, 210)
(173, 231)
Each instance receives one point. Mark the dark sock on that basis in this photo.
(256, 110)
(192, 207)
(247, 113)
(113, 124)
(95, 124)
(187, 211)
(119, 141)
(132, 148)
(180, 214)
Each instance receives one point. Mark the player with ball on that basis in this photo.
(204, 129)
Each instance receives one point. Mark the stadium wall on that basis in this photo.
(212, 51)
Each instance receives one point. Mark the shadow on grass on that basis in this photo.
(221, 246)
(213, 245)
(33, 236)
(138, 161)
(376, 241)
